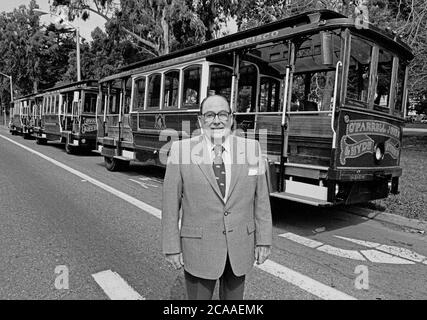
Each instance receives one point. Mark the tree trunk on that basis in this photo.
(165, 49)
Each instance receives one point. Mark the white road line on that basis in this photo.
(361, 242)
(381, 257)
(314, 287)
(115, 287)
(350, 254)
(310, 285)
(137, 203)
(301, 240)
(144, 185)
(397, 251)
(140, 183)
(402, 252)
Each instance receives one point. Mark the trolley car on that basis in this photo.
(327, 94)
(67, 114)
(22, 117)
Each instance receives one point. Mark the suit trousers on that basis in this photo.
(231, 287)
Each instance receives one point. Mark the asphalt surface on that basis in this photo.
(50, 217)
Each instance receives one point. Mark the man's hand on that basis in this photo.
(262, 253)
(176, 260)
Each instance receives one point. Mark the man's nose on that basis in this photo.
(216, 119)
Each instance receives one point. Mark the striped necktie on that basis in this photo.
(219, 168)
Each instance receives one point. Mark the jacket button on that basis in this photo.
(226, 213)
(223, 232)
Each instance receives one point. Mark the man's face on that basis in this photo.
(216, 119)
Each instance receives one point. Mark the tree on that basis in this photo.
(151, 25)
(213, 13)
(35, 57)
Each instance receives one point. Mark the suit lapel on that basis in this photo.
(237, 167)
(206, 167)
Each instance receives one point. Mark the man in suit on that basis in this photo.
(219, 182)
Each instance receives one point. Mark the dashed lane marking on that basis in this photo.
(379, 253)
(301, 240)
(397, 251)
(350, 254)
(308, 284)
(305, 283)
(143, 184)
(115, 287)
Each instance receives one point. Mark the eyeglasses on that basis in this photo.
(210, 116)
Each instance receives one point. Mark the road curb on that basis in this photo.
(414, 225)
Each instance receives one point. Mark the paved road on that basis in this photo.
(67, 210)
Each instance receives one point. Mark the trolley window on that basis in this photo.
(128, 93)
(359, 69)
(104, 95)
(114, 101)
(89, 102)
(220, 80)
(314, 76)
(69, 102)
(384, 70)
(139, 94)
(269, 94)
(170, 96)
(154, 83)
(191, 87)
(56, 104)
(271, 61)
(50, 105)
(400, 86)
(248, 81)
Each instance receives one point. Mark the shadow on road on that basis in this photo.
(79, 152)
(308, 220)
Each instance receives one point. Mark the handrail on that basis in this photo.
(334, 105)
(282, 145)
(285, 97)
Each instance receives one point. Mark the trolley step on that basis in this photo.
(302, 199)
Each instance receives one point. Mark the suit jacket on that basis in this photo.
(210, 227)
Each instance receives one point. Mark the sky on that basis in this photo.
(85, 27)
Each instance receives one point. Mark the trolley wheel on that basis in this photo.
(26, 136)
(113, 164)
(12, 132)
(68, 148)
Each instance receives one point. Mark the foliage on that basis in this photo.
(153, 26)
(35, 57)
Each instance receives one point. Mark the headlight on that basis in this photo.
(83, 140)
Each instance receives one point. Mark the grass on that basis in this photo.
(412, 200)
(418, 125)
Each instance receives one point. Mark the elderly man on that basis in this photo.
(218, 181)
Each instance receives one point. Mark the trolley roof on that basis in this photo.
(300, 24)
